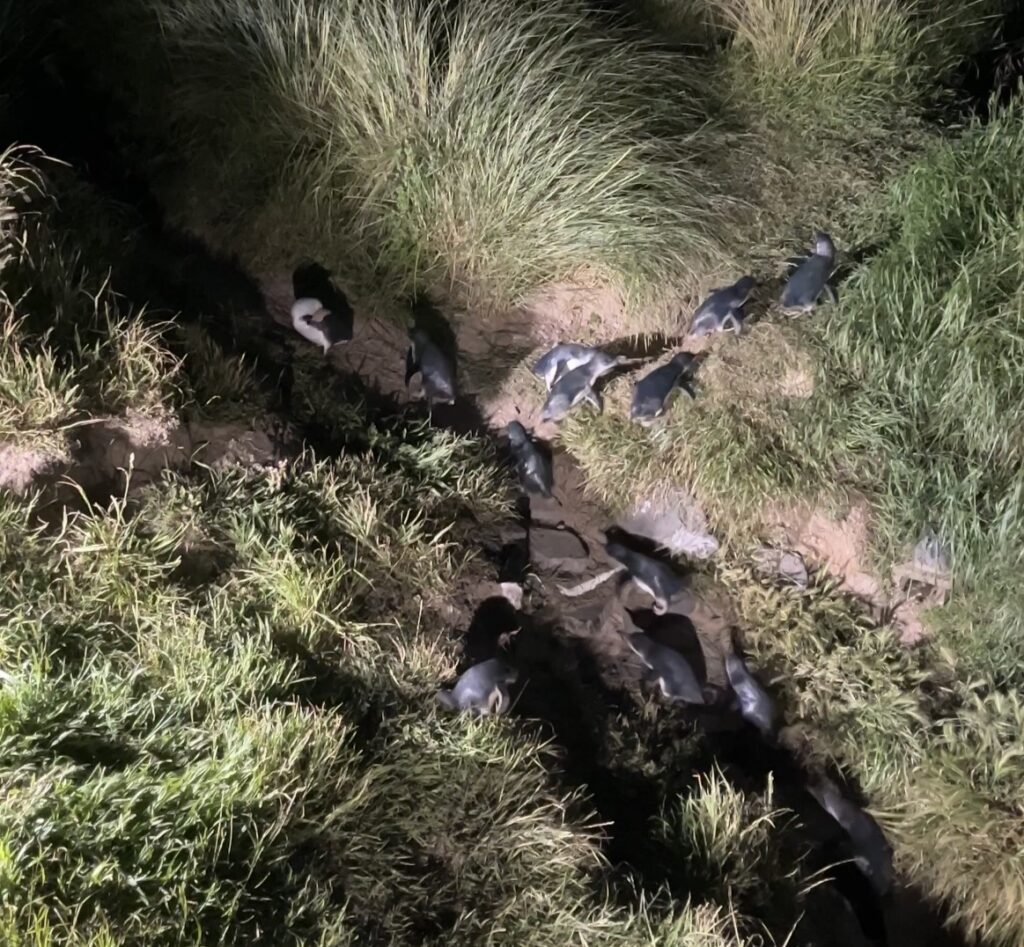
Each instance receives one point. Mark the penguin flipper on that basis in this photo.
(829, 294)
(411, 366)
(447, 700)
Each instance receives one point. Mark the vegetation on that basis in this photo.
(217, 721)
(214, 690)
(915, 385)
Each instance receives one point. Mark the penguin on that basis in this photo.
(652, 395)
(668, 668)
(567, 356)
(570, 389)
(660, 581)
(483, 689)
(720, 312)
(532, 465)
(872, 852)
(564, 356)
(321, 313)
(809, 281)
(435, 368)
(756, 705)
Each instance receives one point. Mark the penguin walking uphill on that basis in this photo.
(722, 311)
(321, 313)
(652, 395)
(437, 373)
(809, 281)
(532, 465)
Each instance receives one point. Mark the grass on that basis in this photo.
(424, 145)
(936, 751)
(217, 721)
(73, 352)
(916, 378)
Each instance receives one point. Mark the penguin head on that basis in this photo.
(516, 433)
(823, 245)
(744, 287)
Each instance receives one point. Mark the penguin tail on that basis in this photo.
(447, 700)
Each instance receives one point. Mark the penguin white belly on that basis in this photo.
(309, 331)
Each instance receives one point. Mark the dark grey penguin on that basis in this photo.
(570, 389)
(720, 312)
(435, 369)
(756, 705)
(532, 465)
(809, 281)
(668, 668)
(321, 313)
(660, 581)
(652, 395)
(872, 852)
(483, 689)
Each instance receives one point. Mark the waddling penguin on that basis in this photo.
(567, 356)
(563, 357)
(658, 580)
(532, 465)
(434, 367)
(720, 312)
(321, 313)
(570, 389)
(668, 668)
(756, 705)
(483, 689)
(809, 281)
(652, 395)
(871, 850)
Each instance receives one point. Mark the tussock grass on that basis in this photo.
(728, 842)
(937, 753)
(430, 145)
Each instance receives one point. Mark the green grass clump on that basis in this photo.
(217, 724)
(424, 144)
(937, 753)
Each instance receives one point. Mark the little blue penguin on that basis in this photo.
(668, 668)
(660, 581)
(532, 465)
(434, 367)
(321, 313)
(570, 389)
(652, 395)
(563, 357)
(872, 852)
(567, 356)
(756, 705)
(809, 281)
(720, 312)
(483, 689)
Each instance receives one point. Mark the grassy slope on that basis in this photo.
(821, 101)
(216, 699)
(916, 408)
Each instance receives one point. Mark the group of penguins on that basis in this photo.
(322, 315)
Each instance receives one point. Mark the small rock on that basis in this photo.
(782, 564)
(560, 550)
(930, 554)
(675, 522)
